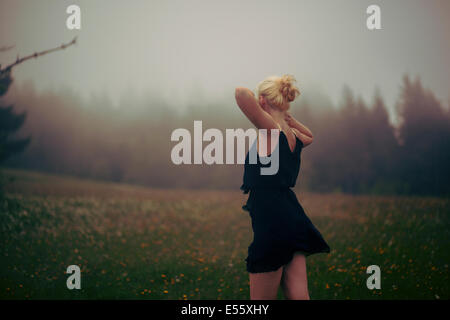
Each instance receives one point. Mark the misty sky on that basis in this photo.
(179, 49)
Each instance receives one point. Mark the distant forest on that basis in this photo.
(356, 149)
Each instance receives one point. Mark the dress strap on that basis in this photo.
(279, 127)
(293, 132)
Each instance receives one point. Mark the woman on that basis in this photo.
(283, 234)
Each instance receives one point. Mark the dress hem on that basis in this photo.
(253, 268)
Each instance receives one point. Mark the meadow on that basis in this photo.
(133, 242)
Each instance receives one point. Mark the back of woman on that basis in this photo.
(283, 235)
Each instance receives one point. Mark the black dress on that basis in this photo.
(280, 225)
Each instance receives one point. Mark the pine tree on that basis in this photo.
(425, 141)
(10, 123)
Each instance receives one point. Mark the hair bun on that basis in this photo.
(287, 88)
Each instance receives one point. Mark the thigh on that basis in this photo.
(294, 281)
(264, 285)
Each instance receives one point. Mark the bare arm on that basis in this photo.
(302, 131)
(250, 107)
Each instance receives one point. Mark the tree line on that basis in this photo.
(356, 148)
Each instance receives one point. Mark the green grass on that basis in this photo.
(141, 243)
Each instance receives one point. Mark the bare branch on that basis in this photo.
(37, 54)
(6, 48)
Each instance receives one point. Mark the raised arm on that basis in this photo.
(302, 131)
(250, 107)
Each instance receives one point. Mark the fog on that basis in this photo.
(197, 51)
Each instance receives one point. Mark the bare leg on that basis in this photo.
(264, 285)
(294, 281)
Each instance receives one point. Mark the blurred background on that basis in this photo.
(377, 101)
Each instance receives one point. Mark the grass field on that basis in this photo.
(140, 243)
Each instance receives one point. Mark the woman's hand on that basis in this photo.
(288, 118)
(302, 132)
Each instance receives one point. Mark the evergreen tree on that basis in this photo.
(425, 141)
(10, 123)
(383, 147)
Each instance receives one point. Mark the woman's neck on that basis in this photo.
(278, 115)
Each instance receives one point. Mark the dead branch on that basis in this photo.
(37, 54)
(6, 48)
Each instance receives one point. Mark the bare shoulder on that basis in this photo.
(249, 105)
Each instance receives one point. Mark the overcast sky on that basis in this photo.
(179, 48)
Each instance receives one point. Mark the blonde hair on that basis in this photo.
(278, 90)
